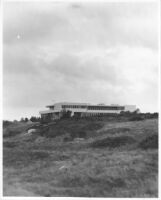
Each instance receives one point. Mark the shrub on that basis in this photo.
(9, 144)
(136, 118)
(113, 142)
(82, 134)
(93, 126)
(6, 123)
(10, 133)
(73, 135)
(67, 139)
(150, 142)
(66, 114)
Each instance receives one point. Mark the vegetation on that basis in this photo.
(116, 157)
(150, 142)
(113, 142)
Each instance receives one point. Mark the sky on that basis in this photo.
(91, 52)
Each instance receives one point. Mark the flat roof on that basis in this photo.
(86, 104)
(68, 103)
(48, 111)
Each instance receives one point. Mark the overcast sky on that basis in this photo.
(79, 52)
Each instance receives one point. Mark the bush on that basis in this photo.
(11, 133)
(82, 134)
(93, 126)
(67, 139)
(136, 118)
(35, 119)
(150, 142)
(113, 142)
(66, 114)
(78, 134)
(6, 123)
(9, 144)
(73, 135)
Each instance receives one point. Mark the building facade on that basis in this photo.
(57, 110)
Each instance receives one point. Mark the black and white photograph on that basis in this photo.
(80, 98)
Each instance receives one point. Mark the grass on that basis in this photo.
(114, 160)
(113, 142)
(150, 142)
(16, 128)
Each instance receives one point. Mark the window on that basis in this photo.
(105, 107)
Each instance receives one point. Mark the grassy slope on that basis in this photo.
(36, 165)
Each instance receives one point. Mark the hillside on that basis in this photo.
(82, 158)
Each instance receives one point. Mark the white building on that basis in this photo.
(83, 109)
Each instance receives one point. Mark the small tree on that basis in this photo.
(66, 114)
(6, 123)
(22, 119)
(33, 119)
(26, 119)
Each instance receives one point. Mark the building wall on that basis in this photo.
(76, 108)
(73, 110)
(103, 111)
(58, 106)
(130, 108)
